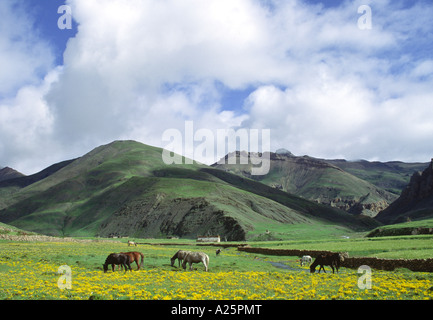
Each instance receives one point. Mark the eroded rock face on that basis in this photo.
(357, 206)
(317, 180)
(416, 199)
(420, 186)
(180, 217)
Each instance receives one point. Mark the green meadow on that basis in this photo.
(29, 271)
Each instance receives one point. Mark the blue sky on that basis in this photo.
(131, 70)
(46, 17)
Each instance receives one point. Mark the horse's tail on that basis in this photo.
(142, 258)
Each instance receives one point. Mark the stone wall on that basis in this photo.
(282, 252)
(424, 265)
(42, 238)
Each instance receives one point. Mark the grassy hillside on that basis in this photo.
(51, 205)
(390, 176)
(319, 181)
(6, 229)
(424, 226)
(125, 189)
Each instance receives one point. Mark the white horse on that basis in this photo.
(306, 259)
(131, 243)
(196, 257)
(180, 255)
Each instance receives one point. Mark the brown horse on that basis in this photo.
(134, 256)
(117, 259)
(328, 259)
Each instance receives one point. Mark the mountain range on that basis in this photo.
(125, 189)
(358, 187)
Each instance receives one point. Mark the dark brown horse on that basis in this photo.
(135, 256)
(328, 259)
(117, 259)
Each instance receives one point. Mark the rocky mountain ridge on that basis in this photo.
(415, 201)
(317, 180)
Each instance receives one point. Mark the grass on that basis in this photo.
(11, 230)
(29, 270)
(405, 247)
(301, 231)
(405, 228)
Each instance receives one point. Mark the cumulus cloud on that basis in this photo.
(359, 94)
(26, 127)
(323, 86)
(24, 56)
(135, 65)
(26, 73)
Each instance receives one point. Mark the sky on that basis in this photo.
(326, 78)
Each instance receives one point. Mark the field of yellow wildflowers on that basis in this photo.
(30, 271)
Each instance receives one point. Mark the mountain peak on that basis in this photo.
(9, 173)
(285, 152)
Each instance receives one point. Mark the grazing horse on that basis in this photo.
(180, 255)
(306, 259)
(196, 257)
(117, 259)
(327, 259)
(131, 243)
(135, 257)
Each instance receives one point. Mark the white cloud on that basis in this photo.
(170, 41)
(320, 117)
(24, 57)
(324, 87)
(127, 53)
(25, 118)
(330, 116)
(348, 82)
(26, 128)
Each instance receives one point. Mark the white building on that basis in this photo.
(208, 239)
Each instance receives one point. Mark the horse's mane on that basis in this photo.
(110, 255)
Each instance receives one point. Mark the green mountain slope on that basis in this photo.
(125, 189)
(9, 188)
(319, 181)
(391, 176)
